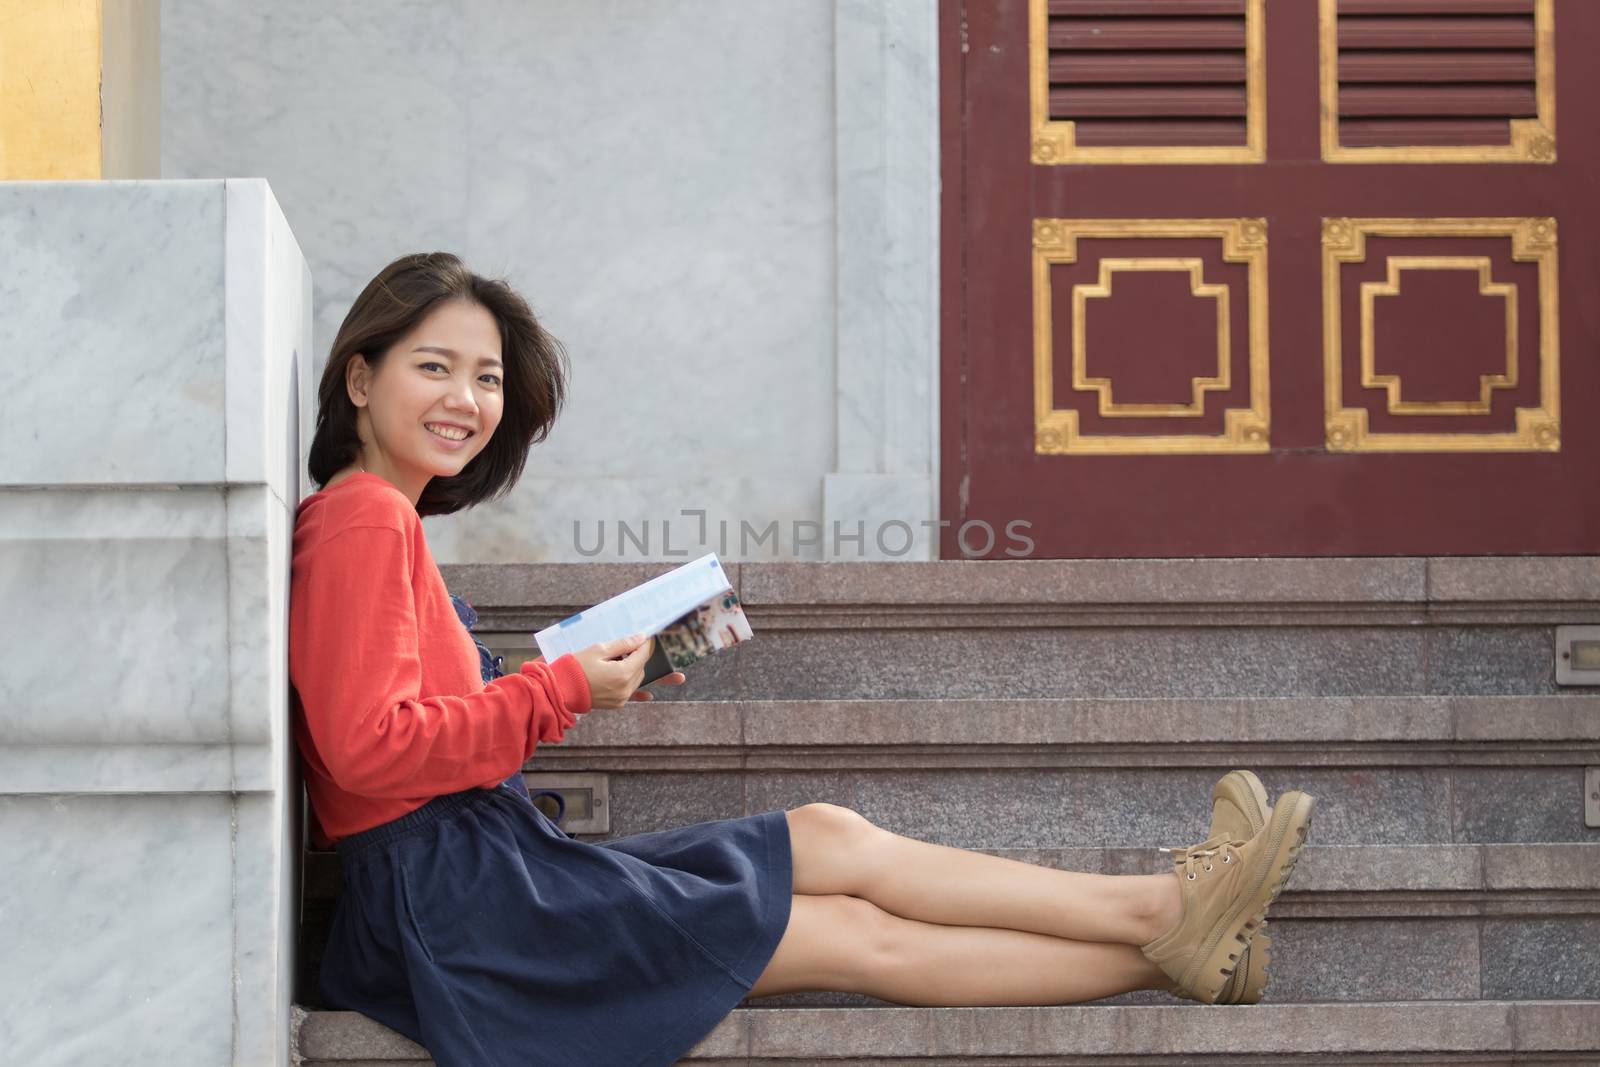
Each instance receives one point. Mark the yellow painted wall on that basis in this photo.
(50, 124)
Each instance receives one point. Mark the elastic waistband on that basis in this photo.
(363, 843)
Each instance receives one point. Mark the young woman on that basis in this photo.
(471, 924)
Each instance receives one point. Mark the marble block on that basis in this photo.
(149, 804)
(119, 939)
(151, 571)
(880, 517)
(148, 336)
(115, 325)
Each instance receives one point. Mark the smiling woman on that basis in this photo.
(457, 890)
(470, 923)
(439, 381)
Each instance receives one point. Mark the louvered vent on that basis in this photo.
(1434, 72)
(1150, 72)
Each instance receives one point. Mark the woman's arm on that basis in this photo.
(356, 663)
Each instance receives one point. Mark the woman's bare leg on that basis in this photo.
(850, 945)
(835, 850)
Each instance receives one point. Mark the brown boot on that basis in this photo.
(1239, 810)
(1227, 886)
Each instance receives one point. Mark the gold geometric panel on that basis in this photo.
(1081, 294)
(1055, 141)
(1487, 383)
(1056, 430)
(1533, 240)
(1532, 140)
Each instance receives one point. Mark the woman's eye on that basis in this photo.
(493, 378)
(423, 367)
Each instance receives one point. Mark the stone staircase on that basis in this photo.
(1075, 714)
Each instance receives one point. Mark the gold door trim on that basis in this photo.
(1532, 140)
(1054, 141)
(1538, 429)
(1056, 431)
(1487, 383)
(1081, 294)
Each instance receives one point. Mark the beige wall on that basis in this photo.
(130, 69)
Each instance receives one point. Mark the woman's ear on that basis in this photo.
(357, 376)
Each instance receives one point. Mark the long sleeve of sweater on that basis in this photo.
(357, 650)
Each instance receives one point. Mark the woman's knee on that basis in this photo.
(831, 823)
(833, 849)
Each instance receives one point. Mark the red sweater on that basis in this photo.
(388, 705)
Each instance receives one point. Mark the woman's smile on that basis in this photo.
(448, 436)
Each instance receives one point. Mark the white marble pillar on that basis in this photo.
(156, 338)
(884, 492)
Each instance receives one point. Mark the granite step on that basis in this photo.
(1096, 628)
(997, 773)
(1358, 923)
(1403, 1032)
(1075, 714)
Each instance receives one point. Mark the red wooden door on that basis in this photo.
(1270, 277)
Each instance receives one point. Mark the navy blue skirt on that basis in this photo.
(477, 928)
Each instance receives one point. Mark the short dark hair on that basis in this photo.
(534, 383)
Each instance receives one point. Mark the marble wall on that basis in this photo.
(726, 209)
(149, 817)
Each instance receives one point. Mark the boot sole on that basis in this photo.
(1249, 980)
(1291, 821)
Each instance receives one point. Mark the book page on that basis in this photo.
(646, 608)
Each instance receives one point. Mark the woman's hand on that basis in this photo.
(615, 669)
(675, 678)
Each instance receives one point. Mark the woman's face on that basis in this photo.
(435, 398)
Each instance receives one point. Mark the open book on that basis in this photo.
(692, 611)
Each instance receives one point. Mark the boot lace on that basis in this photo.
(1204, 857)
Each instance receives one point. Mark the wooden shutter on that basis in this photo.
(1438, 80)
(1147, 80)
